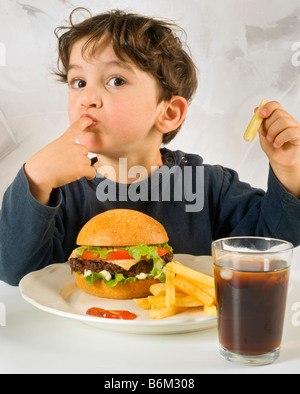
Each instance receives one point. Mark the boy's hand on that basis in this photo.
(60, 162)
(280, 139)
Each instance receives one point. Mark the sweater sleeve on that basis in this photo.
(28, 233)
(281, 210)
(244, 210)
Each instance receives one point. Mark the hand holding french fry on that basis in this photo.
(279, 136)
(184, 288)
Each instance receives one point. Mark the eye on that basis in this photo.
(116, 81)
(78, 83)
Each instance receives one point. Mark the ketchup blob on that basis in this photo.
(110, 314)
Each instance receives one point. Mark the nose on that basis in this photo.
(91, 98)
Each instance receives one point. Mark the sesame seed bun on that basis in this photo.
(122, 227)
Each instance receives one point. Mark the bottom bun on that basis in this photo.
(129, 290)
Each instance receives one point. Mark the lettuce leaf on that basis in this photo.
(117, 278)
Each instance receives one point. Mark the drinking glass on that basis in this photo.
(251, 280)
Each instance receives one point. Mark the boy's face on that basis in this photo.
(121, 99)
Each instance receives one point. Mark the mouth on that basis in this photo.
(95, 121)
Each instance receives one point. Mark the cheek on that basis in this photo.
(72, 112)
(131, 115)
(119, 116)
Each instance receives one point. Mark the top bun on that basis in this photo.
(122, 227)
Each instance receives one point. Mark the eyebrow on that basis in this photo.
(109, 63)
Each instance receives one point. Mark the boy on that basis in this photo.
(130, 82)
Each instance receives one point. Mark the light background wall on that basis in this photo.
(245, 50)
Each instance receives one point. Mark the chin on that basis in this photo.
(91, 142)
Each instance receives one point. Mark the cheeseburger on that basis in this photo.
(122, 254)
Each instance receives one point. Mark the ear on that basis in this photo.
(172, 114)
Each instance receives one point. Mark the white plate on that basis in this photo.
(53, 290)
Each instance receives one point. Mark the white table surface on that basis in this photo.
(34, 341)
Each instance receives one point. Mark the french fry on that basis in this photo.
(187, 287)
(254, 124)
(157, 301)
(189, 273)
(158, 288)
(142, 302)
(210, 310)
(170, 288)
(188, 301)
(207, 289)
(180, 301)
(161, 313)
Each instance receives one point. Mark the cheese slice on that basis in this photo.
(125, 264)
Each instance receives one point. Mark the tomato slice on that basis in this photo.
(162, 252)
(118, 254)
(88, 255)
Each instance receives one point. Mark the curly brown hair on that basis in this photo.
(151, 44)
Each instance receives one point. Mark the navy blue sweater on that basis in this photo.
(195, 202)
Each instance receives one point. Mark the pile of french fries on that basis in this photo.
(184, 288)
